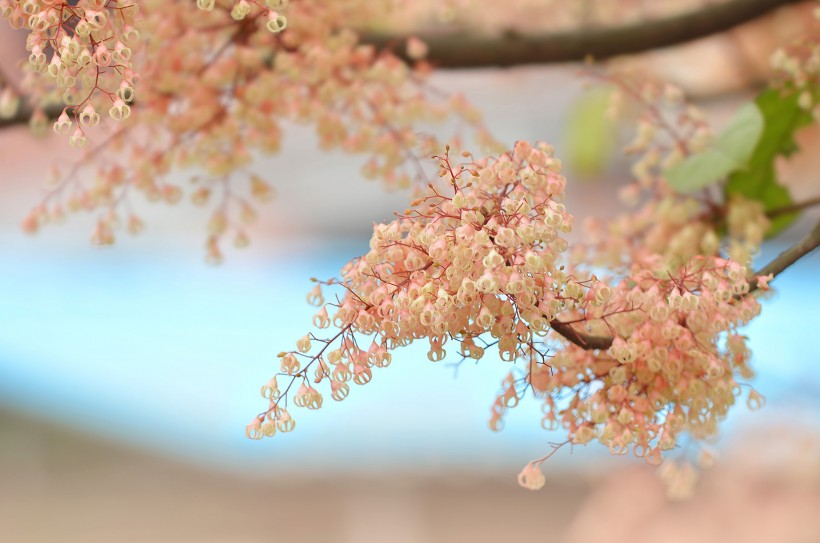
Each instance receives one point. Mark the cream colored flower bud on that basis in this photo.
(240, 10)
(89, 117)
(290, 365)
(584, 435)
(78, 138)
(303, 343)
(120, 110)
(276, 22)
(531, 477)
(271, 390)
(254, 429)
(339, 390)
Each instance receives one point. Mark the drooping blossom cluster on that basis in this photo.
(81, 55)
(672, 367)
(479, 258)
(676, 352)
(216, 87)
(632, 363)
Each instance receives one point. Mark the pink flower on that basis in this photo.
(763, 281)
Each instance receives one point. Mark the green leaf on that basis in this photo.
(783, 117)
(730, 152)
(742, 134)
(700, 170)
(590, 133)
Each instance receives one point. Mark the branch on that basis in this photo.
(582, 340)
(511, 48)
(793, 208)
(24, 113)
(789, 256)
(775, 268)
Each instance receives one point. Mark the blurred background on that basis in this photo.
(128, 373)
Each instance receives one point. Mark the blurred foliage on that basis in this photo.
(590, 133)
(730, 152)
(783, 117)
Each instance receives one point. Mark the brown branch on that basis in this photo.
(582, 340)
(775, 268)
(793, 208)
(24, 113)
(788, 257)
(511, 48)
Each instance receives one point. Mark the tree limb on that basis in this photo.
(24, 113)
(582, 340)
(775, 268)
(511, 48)
(788, 257)
(793, 208)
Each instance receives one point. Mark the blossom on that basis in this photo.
(531, 476)
(763, 281)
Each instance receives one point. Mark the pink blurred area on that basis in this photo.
(65, 486)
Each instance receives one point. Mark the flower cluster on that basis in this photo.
(674, 351)
(478, 258)
(671, 367)
(81, 55)
(218, 83)
(479, 261)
